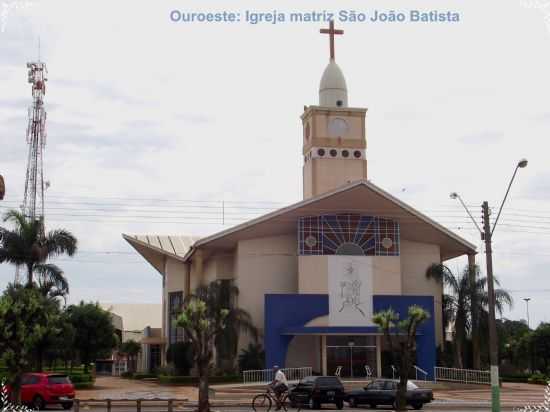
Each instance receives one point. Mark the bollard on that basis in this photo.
(108, 405)
(170, 405)
(138, 405)
(76, 405)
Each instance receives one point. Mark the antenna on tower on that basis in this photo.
(33, 203)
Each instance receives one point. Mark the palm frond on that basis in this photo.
(59, 242)
(442, 274)
(51, 281)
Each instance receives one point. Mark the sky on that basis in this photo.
(153, 125)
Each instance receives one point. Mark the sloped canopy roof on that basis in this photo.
(154, 248)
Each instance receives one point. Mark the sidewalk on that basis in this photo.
(119, 388)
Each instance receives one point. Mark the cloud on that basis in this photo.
(538, 187)
(484, 137)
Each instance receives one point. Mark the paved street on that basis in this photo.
(477, 399)
(437, 406)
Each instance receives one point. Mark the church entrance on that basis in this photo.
(353, 356)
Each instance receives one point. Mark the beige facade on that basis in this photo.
(265, 265)
(263, 257)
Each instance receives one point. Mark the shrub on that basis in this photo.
(144, 375)
(516, 377)
(84, 385)
(180, 354)
(252, 357)
(194, 380)
(539, 379)
(81, 378)
(127, 375)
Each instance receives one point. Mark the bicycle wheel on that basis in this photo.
(285, 402)
(261, 403)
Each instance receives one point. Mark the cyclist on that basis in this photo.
(279, 385)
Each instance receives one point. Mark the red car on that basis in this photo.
(41, 389)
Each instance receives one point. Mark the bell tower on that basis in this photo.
(334, 142)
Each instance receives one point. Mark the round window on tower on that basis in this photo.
(321, 152)
(357, 154)
(345, 153)
(339, 103)
(333, 152)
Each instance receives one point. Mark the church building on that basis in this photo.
(313, 273)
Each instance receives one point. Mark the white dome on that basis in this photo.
(333, 91)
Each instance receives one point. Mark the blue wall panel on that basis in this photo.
(286, 315)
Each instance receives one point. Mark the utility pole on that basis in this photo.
(493, 349)
(487, 236)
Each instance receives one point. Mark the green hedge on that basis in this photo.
(539, 379)
(193, 380)
(82, 378)
(516, 377)
(144, 375)
(84, 385)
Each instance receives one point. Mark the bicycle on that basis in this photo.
(263, 402)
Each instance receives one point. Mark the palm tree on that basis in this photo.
(223, 294)
(131, 349)
(27, 245)
(467, 304)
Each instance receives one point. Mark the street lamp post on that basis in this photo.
(487, 235)
(2, 188)
(527, 302)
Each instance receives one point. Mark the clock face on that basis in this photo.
(337, 127)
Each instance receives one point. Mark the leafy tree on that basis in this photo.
(25, 319)
(131, 348)
(94, 331)
(223, 294)
(202, 325)
(180, 354)
(467, 307)
(512, 343)
(61, 347)
(541, 346)
(401, 338)
(252, 357)
(27, 245)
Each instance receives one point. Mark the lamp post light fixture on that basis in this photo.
(486, 235)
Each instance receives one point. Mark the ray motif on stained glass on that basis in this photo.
(348, 234)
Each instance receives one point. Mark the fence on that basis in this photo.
(462, 375)
(422, 372)
(267, 375)
(84, 404)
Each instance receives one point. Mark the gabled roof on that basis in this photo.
(359, 197)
